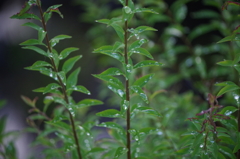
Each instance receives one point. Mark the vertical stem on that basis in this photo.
(127, 88)
(60, 81)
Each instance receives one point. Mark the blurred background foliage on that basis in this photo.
(185, 42)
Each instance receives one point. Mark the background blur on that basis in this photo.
(185, 43)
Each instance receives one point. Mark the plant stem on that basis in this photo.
(60, 81)
(127, 87)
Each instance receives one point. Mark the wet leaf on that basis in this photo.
(112, 72)
(140, 92)
(37, 49)
(68, 65)
(73, 78)
(120, 151)
(79, 88)
(51, 87)
(147, 63)
(64, 53)
(57, 38)
(95, 150)
(38, 65)
(117, 46)
(148, 110)
(41, 35)
(62, 76)
(111, 79)
(226, 151)
(142, 81)
(110, 113)
(88, 102)
(111, 125)
(117, 89)
(228, 110)
(138, 10)
(137, 44)
(141, 51)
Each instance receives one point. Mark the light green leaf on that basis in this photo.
(66, 52)
(73, 78)
(57, 38)
(32, 25)
(39, 90)
(111, 125)
(148, 110)
(31, 42)
(68, 65)
(79, 89)
(228, 38)
(140, 92)
(62, 76)
(107, 50)
(147, 63)
(37, 49)
(142, 81)
(120, 151)
(137, 10)
(226, 63)
(141, 51)
(228, 86)
(112, 72)
(88, 102)
(117, 46)
(51, 87)
(228, 110)
(119, 30)
(110, 113)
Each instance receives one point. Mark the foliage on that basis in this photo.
(145, 123)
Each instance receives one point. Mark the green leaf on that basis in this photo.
(227, 151)
(148, 110)
(68, 65)
(28, 101)
(141, 51)
(119, 30)
(55, 9)
(79, 89)
(120, 151)
(111, 79)
(226, 63)
(38, 64)
(140, 92)
(200, 30)
(117, 46)
(39, 90)
(31, 42)
(88, 102)
(127, 13)
(110, 113)
(117, 89)
(111, 125)
(57, 38)
(64, 53)
(205, 13)
(237, 147)
(73, 78)
(228, 86)
(62, 76)
(137, 44)
(138, 10)
(25, 16)
(107, 50)
(228, 110)
(95, 150)
(228, 38)
(32, 25)
(142, 81)
(37, 49)
(147, 63)
(51, 87)
(2, 104)
(41, 35)
(112, 72)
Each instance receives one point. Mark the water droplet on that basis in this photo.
(201, 145)
(120, 92)
(89, 93)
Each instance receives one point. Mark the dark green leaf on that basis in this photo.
(227, 151)
(228, 38)
(68, 65)
(110, 113)
(88, 102)
(200, 30)
(111, 125)
(111, 79)
(62, 76)
(57, 38)
(147, 63)
(137, 44)
(66, 52)
(25, 16)
(228, 86)
(41, 35)
(38, 65)
(137, 10)
(117, 46)
(142, 81)
(117, 89)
